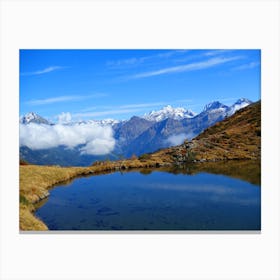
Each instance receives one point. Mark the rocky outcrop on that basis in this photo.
(236, 138)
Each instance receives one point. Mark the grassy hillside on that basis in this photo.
(237, 137)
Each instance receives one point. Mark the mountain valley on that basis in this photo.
(149, 133)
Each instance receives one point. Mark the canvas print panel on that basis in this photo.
(140, 140)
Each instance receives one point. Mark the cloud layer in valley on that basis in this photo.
(178, 139)
(96, 140)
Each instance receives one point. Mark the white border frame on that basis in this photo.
(140, 24)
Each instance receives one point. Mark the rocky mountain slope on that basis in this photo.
(156, 130)
(161, 134)
(236, 137)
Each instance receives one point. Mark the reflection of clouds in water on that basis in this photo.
(219, 189)
(159, 201)
(236, 199)
(214, 193)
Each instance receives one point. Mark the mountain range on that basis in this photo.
(235, 138)
(169, 112)
(140, 134)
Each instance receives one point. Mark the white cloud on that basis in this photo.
(216, 52)
(64, 98)
(124, 109)
(186, 67)
(43, 71)
(97, 140)
(53, 100)
(247, 66)
(143, 105)
(99, 146)
(64, 118)
(178, 139)
(124, 62)
(127, 108)
(151, 59)
(105, 113)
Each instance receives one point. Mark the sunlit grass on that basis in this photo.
(35, 181)
(34, 184)
(236, 138)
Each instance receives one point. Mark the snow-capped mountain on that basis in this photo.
(212, 113)
(105, 122)
(239, 104)
(218, 108)
(137, 135)
(215, 107)
(179, 113)
(169, 112)
(154, 116)
(33, 118)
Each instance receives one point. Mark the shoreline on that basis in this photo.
(37, 180)
(234, 139)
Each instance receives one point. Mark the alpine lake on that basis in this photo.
(203, 196)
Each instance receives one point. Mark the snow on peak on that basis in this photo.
(105, 122)
(33, 118)
(215, 106)
(243, 101)
(239, 104)
(169, 112)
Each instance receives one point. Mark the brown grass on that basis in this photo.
(34, 184)
(238, 137)
(27, 221)
(35, 181)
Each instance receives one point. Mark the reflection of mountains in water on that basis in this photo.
(246, 170)
(249, 170)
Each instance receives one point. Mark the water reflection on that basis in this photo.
(195, 197)
(247, 170)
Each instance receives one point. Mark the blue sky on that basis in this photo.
(99, 84)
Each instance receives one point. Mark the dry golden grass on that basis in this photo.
(238, 137)
(27, 221)
(34, 184)
(36, 180)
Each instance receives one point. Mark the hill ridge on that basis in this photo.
(236, 137)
